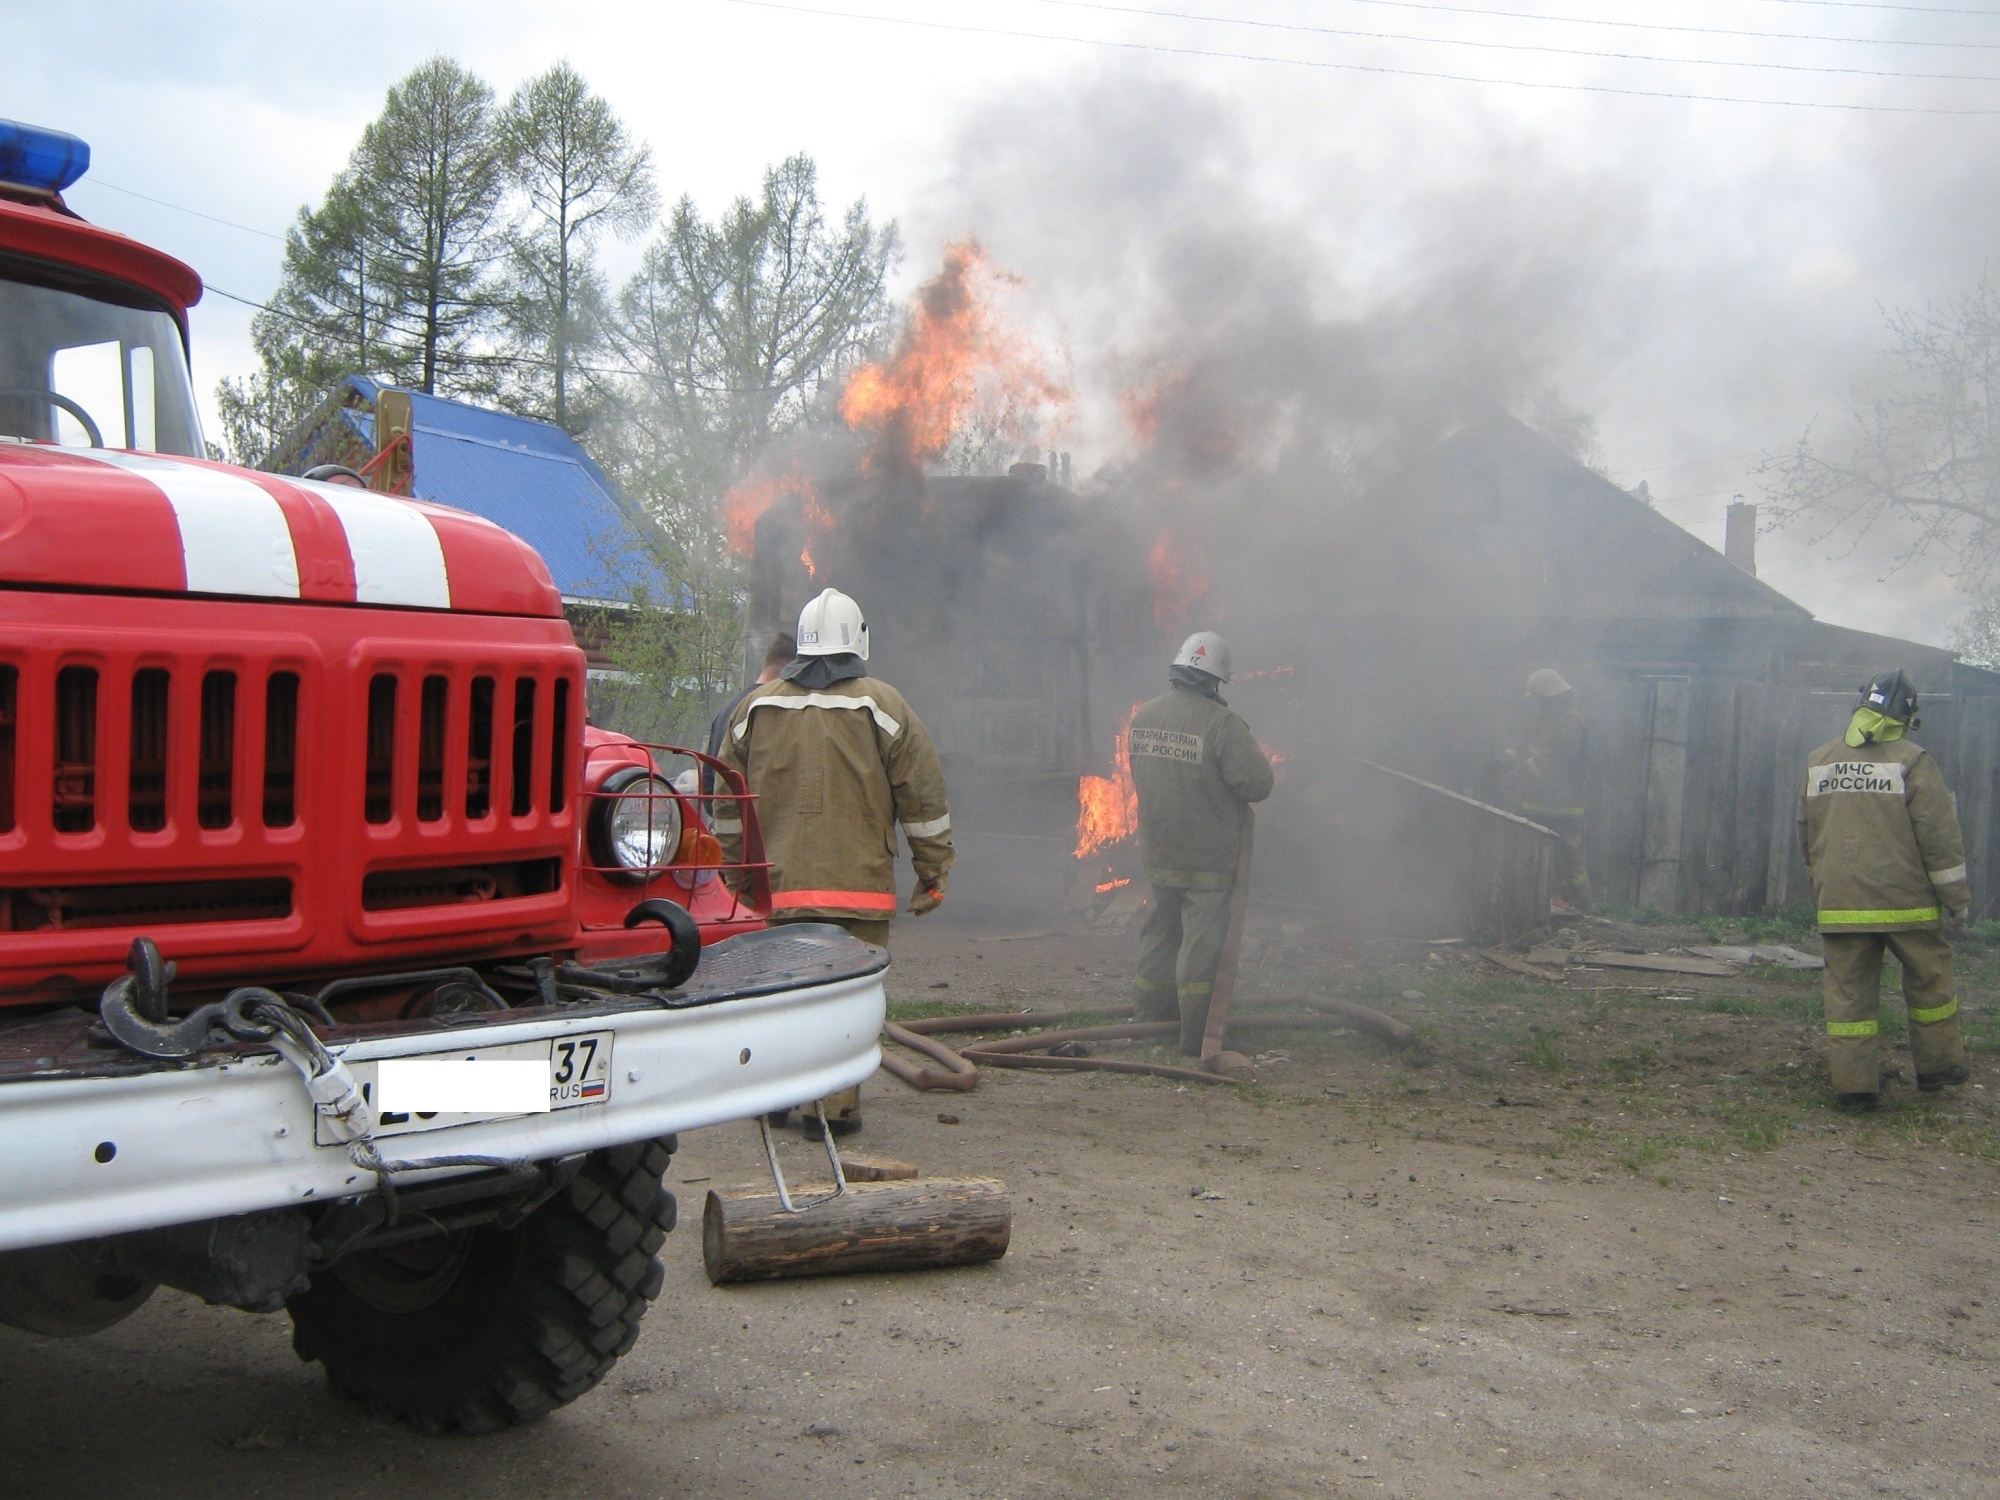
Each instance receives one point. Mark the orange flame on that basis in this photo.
(806, 557)
(1108, 806)
(1112, 885)
(1141, 405)
(953, 359)
(747, 501)
(1179, 583)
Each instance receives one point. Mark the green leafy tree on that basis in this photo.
(327, 318)
(577, 173)
(393, 274)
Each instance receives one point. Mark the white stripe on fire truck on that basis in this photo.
(398, 558)
(234, 539)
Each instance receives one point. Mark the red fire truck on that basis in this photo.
(345, 969)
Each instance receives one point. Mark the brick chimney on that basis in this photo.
(1739, 543)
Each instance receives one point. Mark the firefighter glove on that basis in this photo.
(928, 896)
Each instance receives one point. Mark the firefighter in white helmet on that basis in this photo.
(836, 760)
(1196, 767)
(1545, 775)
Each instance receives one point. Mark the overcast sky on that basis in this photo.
(1702, 273)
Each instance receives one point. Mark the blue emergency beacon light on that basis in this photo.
(39, 160)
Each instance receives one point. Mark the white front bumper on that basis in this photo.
(232, 1138)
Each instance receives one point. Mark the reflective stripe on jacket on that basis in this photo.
(1195, 764)
(835, 769)
(1881, 838)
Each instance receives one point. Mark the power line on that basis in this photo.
(1453, 41)
(1765, 36)
(1915, 10)
(179, 209)
(1348, 67)
(332, 330)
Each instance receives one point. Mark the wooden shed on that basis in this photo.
(1702, 688)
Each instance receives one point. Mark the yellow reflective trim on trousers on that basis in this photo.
(1942, 1012)
(1853, 1028)
(1856, 918)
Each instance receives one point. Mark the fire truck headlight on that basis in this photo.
(637, 828)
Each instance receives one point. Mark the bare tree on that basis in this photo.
(578, 173)
(739, 326)
(1923, 448)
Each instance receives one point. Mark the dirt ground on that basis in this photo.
(1602, 1238)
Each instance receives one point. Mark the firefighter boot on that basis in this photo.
(1851, 995)
(842, 1110)
(1936, 1048)
(1159, 951)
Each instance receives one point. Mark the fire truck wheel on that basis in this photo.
(483, 1328)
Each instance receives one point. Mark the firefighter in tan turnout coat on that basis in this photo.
(837, 759)
(1881, 839)
(1196, 767)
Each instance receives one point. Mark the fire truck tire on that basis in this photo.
(484, 1328)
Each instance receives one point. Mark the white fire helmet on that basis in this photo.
(1546, 682)
(832, 625)
(1205, 651)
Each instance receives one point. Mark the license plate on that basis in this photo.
(579, 1075)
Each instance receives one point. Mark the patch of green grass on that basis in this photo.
(1733, 1005)
(1628, 1064)
(1642, 1155)
(1544, 1051)
(1780, 927)
(1981, 1027)
(1978, 935)
(1805, 1010)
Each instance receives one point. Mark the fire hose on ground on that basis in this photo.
(960, 1066)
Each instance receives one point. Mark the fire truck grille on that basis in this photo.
(151, 903)
(458, 885)
(152, 780)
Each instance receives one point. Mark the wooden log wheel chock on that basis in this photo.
(910, 1224)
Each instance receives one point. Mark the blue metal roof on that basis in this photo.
(528, 476)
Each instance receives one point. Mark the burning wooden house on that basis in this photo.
(1702, 687)
(979, 594)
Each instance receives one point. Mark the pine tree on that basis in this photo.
(577, 174)
(429, 178)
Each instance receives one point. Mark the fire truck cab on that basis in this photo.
(345, 970)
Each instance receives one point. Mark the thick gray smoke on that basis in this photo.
(1274, 385)
(1703, 281)
(1264, 374)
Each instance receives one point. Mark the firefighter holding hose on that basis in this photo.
(1196, 768)
(836, 759)
(1882, 842)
